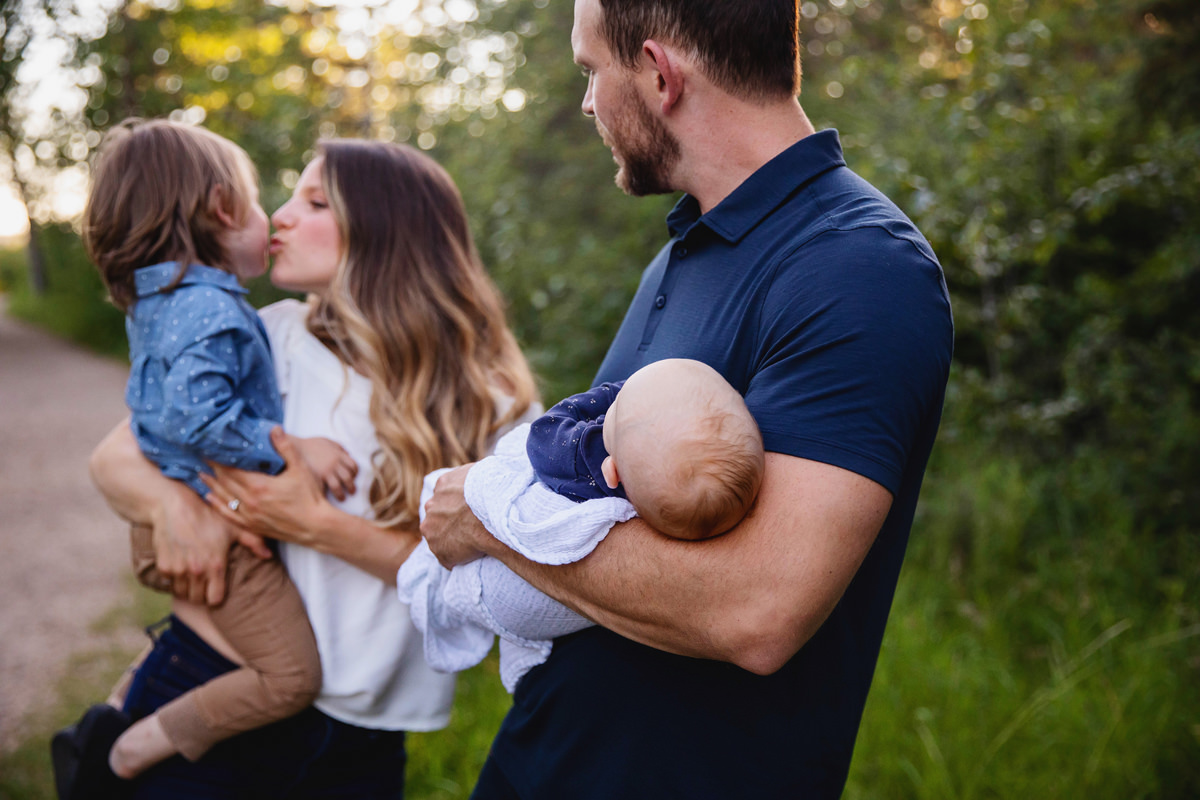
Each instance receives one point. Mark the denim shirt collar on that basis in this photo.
(153, 279)
(762, 192)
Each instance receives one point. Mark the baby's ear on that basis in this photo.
(608, 468)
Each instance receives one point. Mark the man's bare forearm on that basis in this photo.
(752, 597)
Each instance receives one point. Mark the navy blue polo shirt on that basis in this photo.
(819, 301)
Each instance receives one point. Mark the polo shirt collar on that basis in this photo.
(153, 279)
(764, 191)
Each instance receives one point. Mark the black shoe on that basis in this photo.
(80, 756)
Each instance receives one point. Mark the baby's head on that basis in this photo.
(165, 191)
(684, 447)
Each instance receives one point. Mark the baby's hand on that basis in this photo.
(330, 464)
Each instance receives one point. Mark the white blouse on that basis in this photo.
(375, 675)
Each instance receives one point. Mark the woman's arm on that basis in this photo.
(191, 543)
(291, 506)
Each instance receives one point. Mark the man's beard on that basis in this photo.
(645, 150)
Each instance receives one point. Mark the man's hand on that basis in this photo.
(283, 506)
(454, 533)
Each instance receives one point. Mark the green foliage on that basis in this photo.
(224, 64)
(1063, 208)
(75, 304)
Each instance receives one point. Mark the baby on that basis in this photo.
(675, 439)
(673, 444)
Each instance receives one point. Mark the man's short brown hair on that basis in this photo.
(750, 48)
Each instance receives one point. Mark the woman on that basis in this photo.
(402, 356)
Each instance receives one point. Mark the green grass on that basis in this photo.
(442, 765)
(1039, 646)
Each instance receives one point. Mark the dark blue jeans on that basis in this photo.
(305, 757)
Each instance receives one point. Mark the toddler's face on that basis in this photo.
(246, 247)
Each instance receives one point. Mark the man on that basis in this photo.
(736, 666)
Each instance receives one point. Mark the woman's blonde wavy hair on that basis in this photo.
(412, 308)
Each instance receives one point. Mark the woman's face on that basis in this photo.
(307, 245)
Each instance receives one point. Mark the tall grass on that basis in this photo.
(1039, 646)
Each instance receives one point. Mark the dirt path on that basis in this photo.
(63, 554)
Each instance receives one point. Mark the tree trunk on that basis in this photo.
(37, 262)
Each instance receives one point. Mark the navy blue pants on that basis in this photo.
(305, 757)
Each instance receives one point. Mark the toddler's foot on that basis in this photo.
(80, 756)
(139, 748)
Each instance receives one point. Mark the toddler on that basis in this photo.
(174, 225)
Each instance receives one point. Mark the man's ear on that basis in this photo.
(608, 468)
(667, 71)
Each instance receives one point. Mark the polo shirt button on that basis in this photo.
(660, 301)
(681, 251)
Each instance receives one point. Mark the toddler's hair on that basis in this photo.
(157, 186)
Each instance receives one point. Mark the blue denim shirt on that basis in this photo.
(201, 380)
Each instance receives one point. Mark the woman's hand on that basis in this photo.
(292, 506)
(283, 506)
(191, 546)
(191, 543)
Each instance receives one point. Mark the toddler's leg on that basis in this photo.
(263, 619)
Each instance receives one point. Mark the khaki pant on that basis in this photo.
(263, 618)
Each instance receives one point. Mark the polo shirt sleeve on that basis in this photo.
(854, 349)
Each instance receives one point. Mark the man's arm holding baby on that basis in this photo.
(751, 597)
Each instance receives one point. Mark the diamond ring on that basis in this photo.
(234, 504)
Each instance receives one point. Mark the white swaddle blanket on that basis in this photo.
(460, 611)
